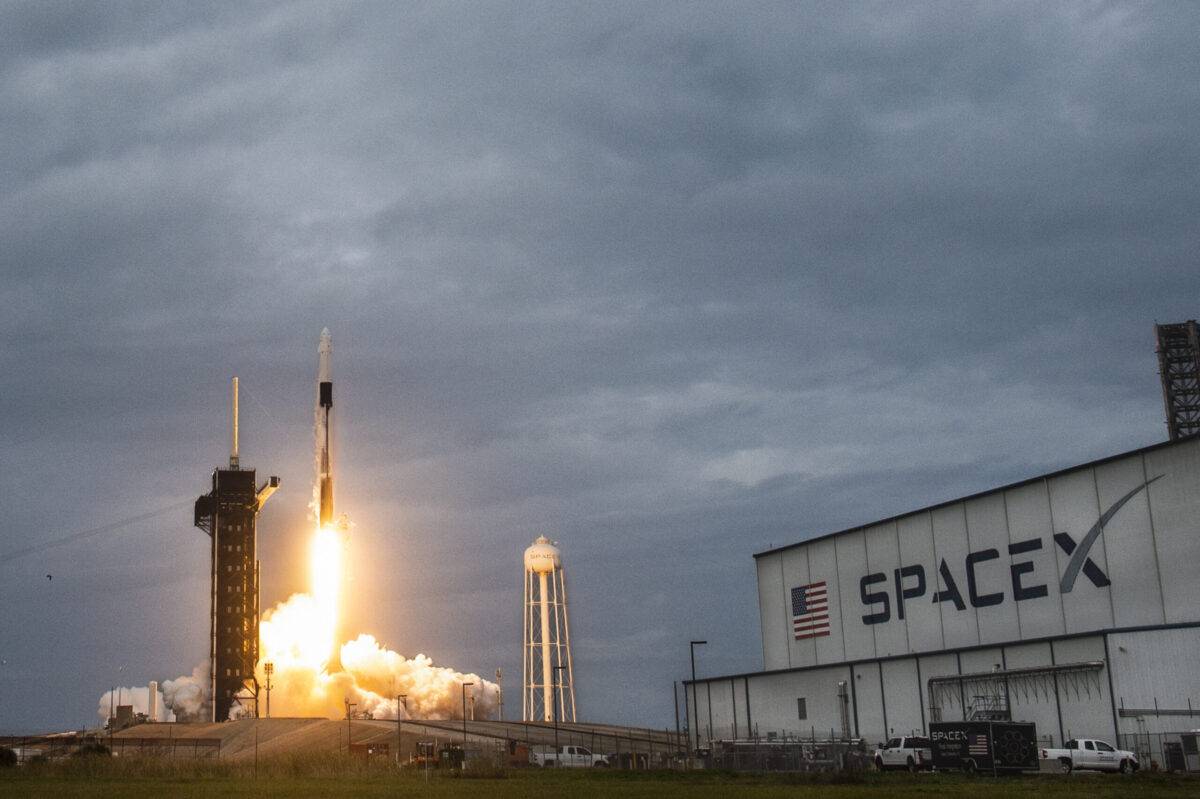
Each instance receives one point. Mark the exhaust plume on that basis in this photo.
(181, 699)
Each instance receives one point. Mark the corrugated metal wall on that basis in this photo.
(890, 697)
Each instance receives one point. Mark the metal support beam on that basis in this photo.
(1178, 348)
(1034, 683)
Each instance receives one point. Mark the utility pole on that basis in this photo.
(349, 707)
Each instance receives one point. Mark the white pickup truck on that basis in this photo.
(566, 757)
(1088, 753)
(912, 753)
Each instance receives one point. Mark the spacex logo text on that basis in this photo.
(909, 582)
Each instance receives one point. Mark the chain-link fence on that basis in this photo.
(788, 754)
(39, 748)
(1165, 751)
(514, 742)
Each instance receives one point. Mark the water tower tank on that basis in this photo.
(542, 557)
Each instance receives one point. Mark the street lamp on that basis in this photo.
(695, 707)
(400, 698)
(464, 712)
(558, 684)
(500, 694)
(675, 698)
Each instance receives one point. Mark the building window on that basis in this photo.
(802, 707)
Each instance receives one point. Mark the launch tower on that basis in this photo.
(229, 514)
(548, 691)
(1179, 365)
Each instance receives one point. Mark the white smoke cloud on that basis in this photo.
(371, 677)
(182, 699)
(139, 697)
(188, 696)
(433, 692)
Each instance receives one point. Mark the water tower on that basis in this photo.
(549, 683)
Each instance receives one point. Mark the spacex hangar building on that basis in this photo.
(1071, 600)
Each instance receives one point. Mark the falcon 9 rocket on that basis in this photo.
(324, 406)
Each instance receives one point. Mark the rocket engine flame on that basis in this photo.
(298, 636)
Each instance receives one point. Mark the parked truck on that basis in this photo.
(1089, 753)
(998, 747)
(566, 757)
(910, 752)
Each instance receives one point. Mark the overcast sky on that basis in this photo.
(669, 283)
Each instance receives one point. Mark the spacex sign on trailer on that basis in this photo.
(1109, 545)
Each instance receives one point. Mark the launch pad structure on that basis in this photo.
(229, 515)
(1179, 366)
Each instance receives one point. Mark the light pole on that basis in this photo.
(695, 707)
(349, 707)
(675, 697)
(400, 698)
(558, 684)
(500, 694)
(464, 712)
(269, 669)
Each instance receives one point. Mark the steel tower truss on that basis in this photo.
(1179, 366)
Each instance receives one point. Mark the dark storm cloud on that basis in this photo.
(671, 283)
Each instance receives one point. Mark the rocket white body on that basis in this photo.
(324, 407)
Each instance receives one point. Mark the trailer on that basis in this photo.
(999, 747)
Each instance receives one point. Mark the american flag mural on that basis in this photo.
(810, 611)
(977, 745)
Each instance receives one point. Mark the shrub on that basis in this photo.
(93, 750)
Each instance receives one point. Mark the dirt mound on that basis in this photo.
(274, 736)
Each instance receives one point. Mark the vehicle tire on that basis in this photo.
(1065, 766)
(600, 764)
(1124, 767)
(912, 766)
(879, 763)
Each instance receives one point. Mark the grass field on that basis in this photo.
(331, 777)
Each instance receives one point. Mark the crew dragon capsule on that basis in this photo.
(324, 406)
